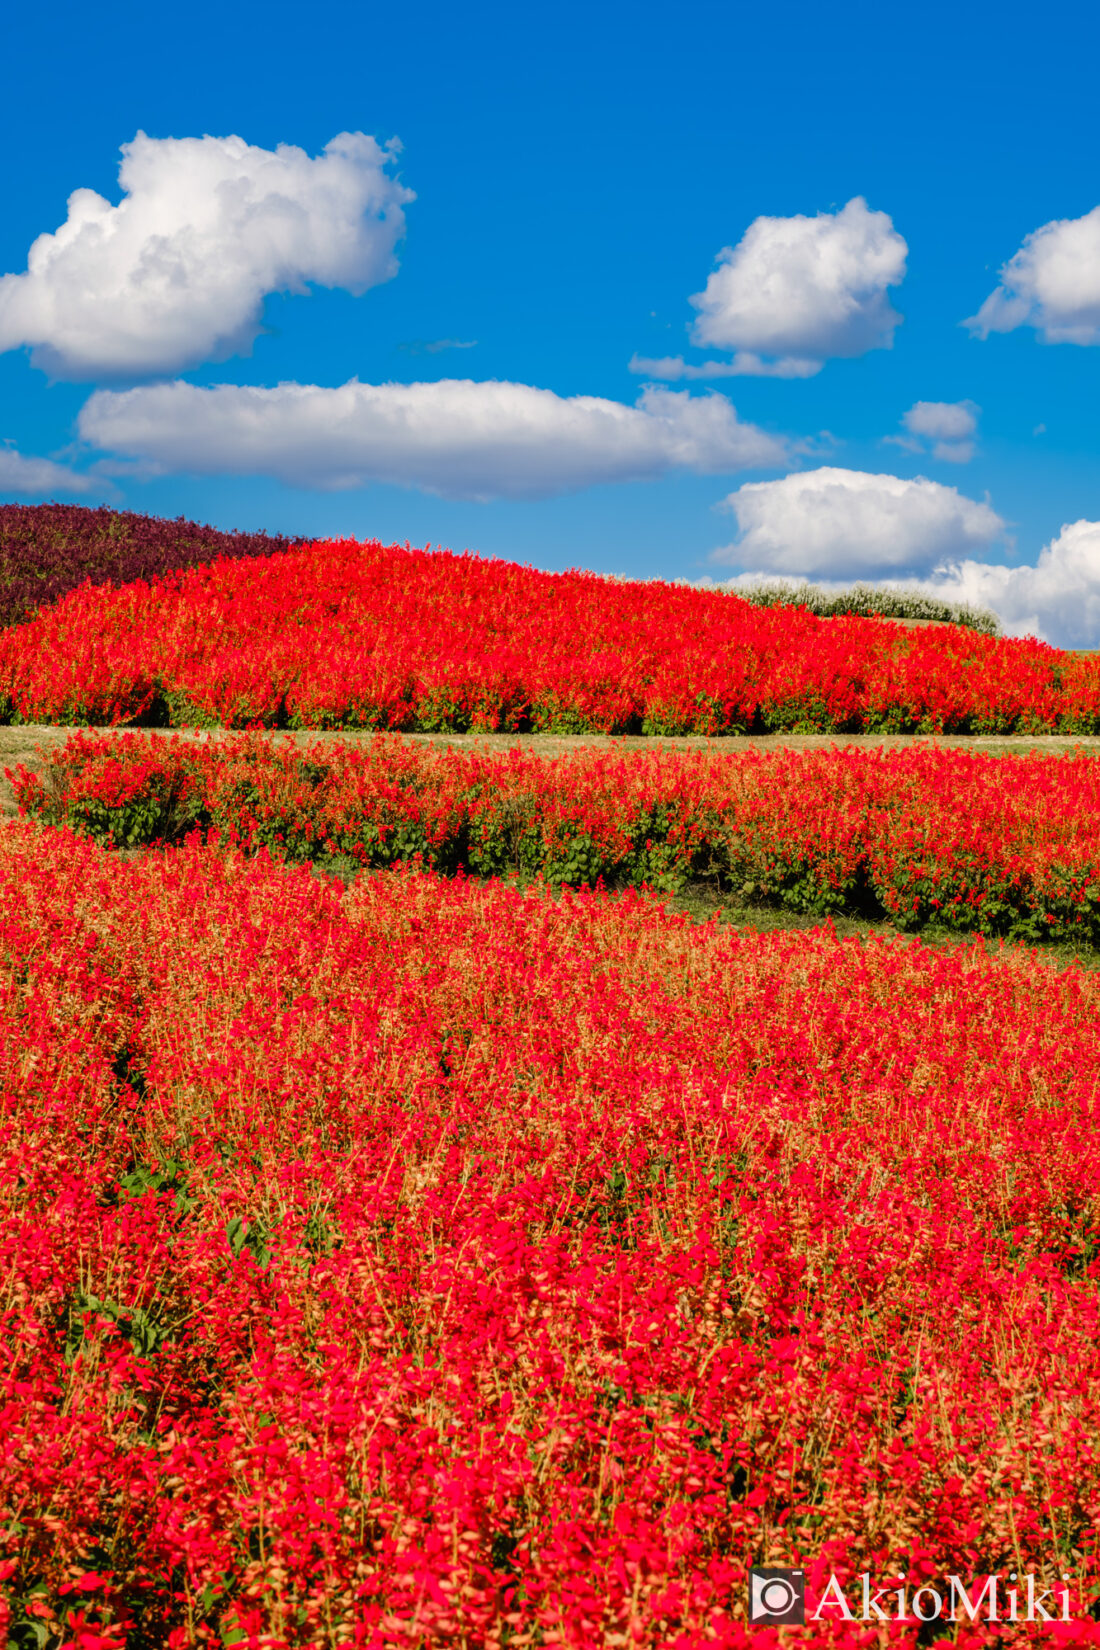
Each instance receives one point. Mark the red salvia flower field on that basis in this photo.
(430, 1263)
(342, 634)
(440, 1260)
(981, 843)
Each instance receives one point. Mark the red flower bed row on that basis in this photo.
(993, 845)
(439, 1264)
(46, 550)
(366, 636)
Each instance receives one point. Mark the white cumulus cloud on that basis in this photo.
(799, 290)
(1058, 599)
(1052, 283)
(457, 438)
(844, 523)
(42, 478)
(946, 428)
(177, 272)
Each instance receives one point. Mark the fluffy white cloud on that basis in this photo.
(1052, 283)
(945, 426)
(1057, 600)
(743, 365)
(803, 289)
(456, 437)
(176, 273)
(845, 523)
(42, 478)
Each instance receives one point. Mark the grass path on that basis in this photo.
(22, 744)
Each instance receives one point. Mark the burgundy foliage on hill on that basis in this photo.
(47, 550)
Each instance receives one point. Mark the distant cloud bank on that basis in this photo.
(834, 526)
(176, 274)
(1058, 599)
(457, 438)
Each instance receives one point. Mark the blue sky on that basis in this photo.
(577, 172)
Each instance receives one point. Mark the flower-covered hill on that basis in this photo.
(46, 550)
(364, 635)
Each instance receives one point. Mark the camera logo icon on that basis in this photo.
(777, 1596)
